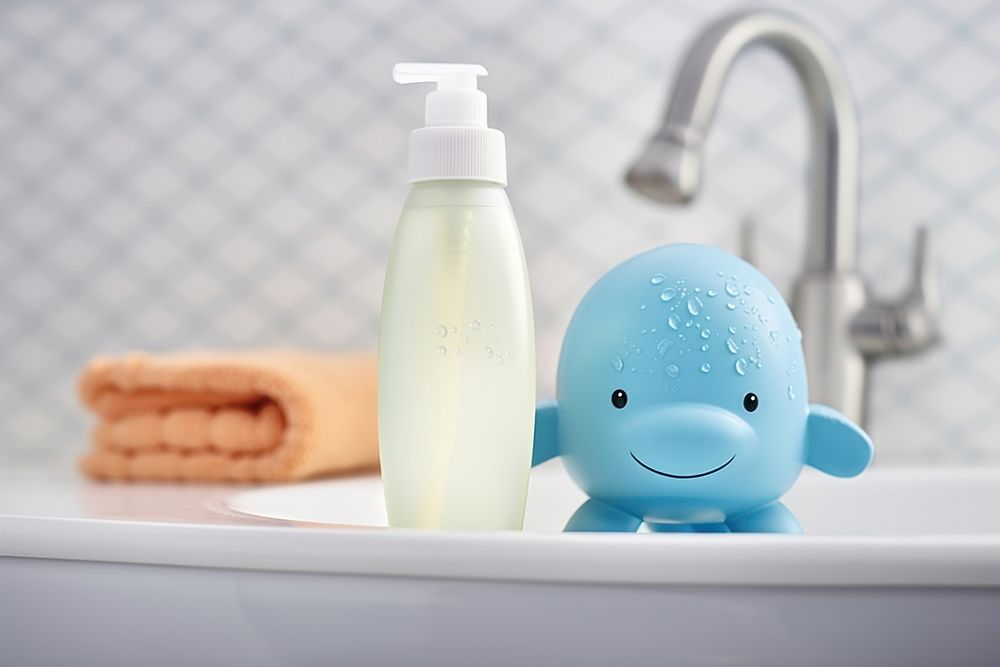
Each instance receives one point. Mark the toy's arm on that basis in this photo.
(835, 444)
(546, 441)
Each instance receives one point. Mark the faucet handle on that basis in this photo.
(909, 324)
(924, 285)
(748, 240)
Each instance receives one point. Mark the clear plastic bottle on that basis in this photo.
(456, 347)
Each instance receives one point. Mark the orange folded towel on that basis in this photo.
(251, 416)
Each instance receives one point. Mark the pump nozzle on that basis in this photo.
(446, 75)
(457, 102)
(455, 142)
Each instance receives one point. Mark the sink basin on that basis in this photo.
(901, 502)
(898, 566)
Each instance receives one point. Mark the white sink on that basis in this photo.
(885, 501)
(899, 566)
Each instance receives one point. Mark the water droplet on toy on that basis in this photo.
(712, 292)
(487, 351)
(458, 350)
(642, 307)
(442, 350)
(492, 327)
(706, 367)
(731, 345)
(657, 279)
(746, 289)
(721, 274)
(708, 318)
(741, 366)
(695, 305)
(442, 331)
(770, 299)
(668, 294)
(791, 392)
(673, 321)
(697, 290)
(663, 345)
(763, 320)
(673, 371)
(705, 333)
(704, 348)
(618, 363)
(475, 324)
(689, 323)
(774, 335)
(632, 370)
(731, 306)
(731, 289)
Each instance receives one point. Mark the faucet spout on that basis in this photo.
(843, 329)
(669, 170)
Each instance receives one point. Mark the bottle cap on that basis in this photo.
(455, 142)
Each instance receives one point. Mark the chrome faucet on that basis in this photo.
(844, 329)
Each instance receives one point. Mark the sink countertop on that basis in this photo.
(335, 526)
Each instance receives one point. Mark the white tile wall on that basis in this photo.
(228, 173)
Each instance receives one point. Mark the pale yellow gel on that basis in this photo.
(456, 363)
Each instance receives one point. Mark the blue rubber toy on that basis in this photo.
(682, 400)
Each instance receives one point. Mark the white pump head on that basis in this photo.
(457, 101)
(455, 142)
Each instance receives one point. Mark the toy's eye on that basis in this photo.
(750, 402)
(619, 398)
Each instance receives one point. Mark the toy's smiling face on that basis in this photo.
(682, 388)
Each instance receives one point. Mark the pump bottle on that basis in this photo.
(456, 345)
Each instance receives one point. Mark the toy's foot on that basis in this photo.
(774, 518)
(688, 528)
(711, 528)
(596, 516)
(670, 527)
